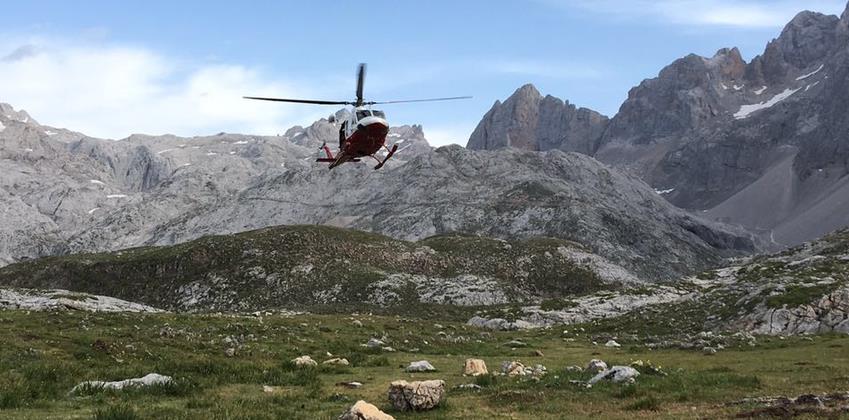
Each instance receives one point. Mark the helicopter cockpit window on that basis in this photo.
(379, 114)
(363, 114)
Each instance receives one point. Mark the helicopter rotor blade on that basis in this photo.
(361, 79)
(300, 101)
(418, 100)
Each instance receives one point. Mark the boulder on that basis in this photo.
(147, 380)
(616, 374)
(364, 411)
(304, 361)
(516, 368)
(475, 367)
(416, 396)
(596, 365)
(336, 361)
(374, 343)
(420, 366)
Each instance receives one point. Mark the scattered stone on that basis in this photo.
(362, 410)
(708, 350)
(416, 396)
(230, 352)
(304, 361)
(388, 349)
(596, 366)
(515, 368)
(420, 366)
(574, 368)
(336, 361)
(612, 343)
(473, 387)
(147, 380)
(500, 324)
(267, 389)
(475, 367)
(352, 384)
(616, 374)
(648, 368)
(539, 353)
(515, 343)
(357, 323)
(374, 343)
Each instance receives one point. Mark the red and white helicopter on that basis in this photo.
(363, 134)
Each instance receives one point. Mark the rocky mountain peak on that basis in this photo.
(527, 90)
(729, 63)
(529, 121)
(808, 39)
(8, 111)
(843, 26)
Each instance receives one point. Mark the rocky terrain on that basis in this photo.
(759, 144)
(529, 121)
(59, 300)
(510, 284)
(65, 193)
(804, 290)
(326, 268)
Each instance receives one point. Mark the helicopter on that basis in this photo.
(363, 134)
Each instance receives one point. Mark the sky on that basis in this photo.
(110, 69)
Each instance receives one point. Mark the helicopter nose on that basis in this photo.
(372, 120)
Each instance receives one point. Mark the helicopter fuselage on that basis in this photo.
(364, 132)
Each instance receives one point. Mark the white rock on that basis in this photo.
(612, 343)
(420, 366)
(364, 411)
(374, 343)
(304, 361)
(147, 380)
(596, 365)
(616, 374)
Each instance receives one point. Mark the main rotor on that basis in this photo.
(361, 77)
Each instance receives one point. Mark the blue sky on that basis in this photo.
(110, 68)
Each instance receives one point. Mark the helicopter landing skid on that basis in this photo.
(391, 152)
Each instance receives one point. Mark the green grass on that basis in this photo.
(796, 295)
(285, 266)
(46, 354)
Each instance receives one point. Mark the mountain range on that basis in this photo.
(761, 144)
(65, 192)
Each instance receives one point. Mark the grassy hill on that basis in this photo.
(322, 268)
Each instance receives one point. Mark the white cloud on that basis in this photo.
(732, 13)
(112, 91)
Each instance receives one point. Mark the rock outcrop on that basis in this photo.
(362, 410)
(527, 120)
(416, 396)
(475, 367)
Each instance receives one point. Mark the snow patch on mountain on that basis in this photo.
(805, 76)
(747, 110)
